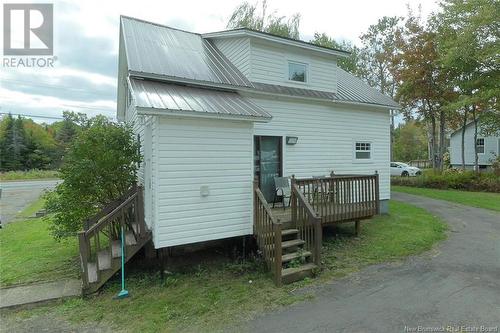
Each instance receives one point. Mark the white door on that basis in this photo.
(148, 190)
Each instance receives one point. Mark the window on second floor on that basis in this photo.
(363, 150)
(480, 145)
(297, 72)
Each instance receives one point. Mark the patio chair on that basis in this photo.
(282, 189)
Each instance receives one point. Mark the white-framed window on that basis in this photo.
(297, 71)
(480, 145)
(363, 150)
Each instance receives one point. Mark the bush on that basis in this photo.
(99, 167)
(456, 179)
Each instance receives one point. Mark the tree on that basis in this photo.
(350, 63)
(410, 142)
(65, 131)
(423, 83)
(13, 145)
(41, 147)
(469, 47)
(100, 165)
(246, 16)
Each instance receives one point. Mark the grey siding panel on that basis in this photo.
(237, 50)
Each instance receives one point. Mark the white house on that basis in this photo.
(213, 111)
(488, 148)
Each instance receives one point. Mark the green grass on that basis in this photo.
(474, 199)
(29, 254)
(26, 175)
(222, 293)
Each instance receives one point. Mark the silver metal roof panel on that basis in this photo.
(205, 102)
(173, 53)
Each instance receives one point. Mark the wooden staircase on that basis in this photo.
(291, 254)
(100, 244)
(296, 261)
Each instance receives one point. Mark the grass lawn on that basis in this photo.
(476, 199)
(29, 254)
(211, 296)
(26, 175)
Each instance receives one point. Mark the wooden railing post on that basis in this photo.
(377, 192)
(318, 239)
(277, 253)
(141, 223)
(255, 205)
(293, 198)
(84, 256)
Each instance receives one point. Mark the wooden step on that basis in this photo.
(289, 275)
(104, 259)
(92, 272)
(116, 245)
(288, 232)
(294, 255)
(291, 243)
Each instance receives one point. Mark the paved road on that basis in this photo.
(17, 195)
(457, 284)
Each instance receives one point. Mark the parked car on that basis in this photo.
(404, 170)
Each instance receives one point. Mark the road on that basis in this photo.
(456, 284)
(19, 194)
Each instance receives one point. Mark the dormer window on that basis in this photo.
(297, 72)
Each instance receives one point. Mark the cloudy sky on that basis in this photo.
(86, 44)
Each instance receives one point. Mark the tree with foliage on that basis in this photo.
(13, 145)
(350, 63)
(41, 148)
(246, 15)
(410, 142)
(99, 167)
(423, 83)
(468, 33)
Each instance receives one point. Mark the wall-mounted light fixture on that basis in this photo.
(291, 140)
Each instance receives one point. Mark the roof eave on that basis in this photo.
(141, 110)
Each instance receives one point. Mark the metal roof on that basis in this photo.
(194, 100)
(350, 89)
(176, 54)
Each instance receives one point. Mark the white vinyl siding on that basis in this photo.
(326, 134)
(269, 64)
(237, 50)
(490, 148)
(193, 154)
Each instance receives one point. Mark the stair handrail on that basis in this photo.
(132, 207)
(308, 222)
(268, 230)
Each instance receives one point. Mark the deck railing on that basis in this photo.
(268, 234)
(422, 164)
(307, 220)
(99, 241)
(341, 197)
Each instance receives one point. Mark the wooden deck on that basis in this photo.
(337, 213)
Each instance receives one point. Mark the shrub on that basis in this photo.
(99, 167)
(495, 165)
(453, 179)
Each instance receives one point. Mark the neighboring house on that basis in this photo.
(213, 111)
(488, 148)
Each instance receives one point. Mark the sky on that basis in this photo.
(83, 78)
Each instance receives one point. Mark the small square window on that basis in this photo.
(297, 72)
(480, 145)
(363, 150)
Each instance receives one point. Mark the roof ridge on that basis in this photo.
(158, 25)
